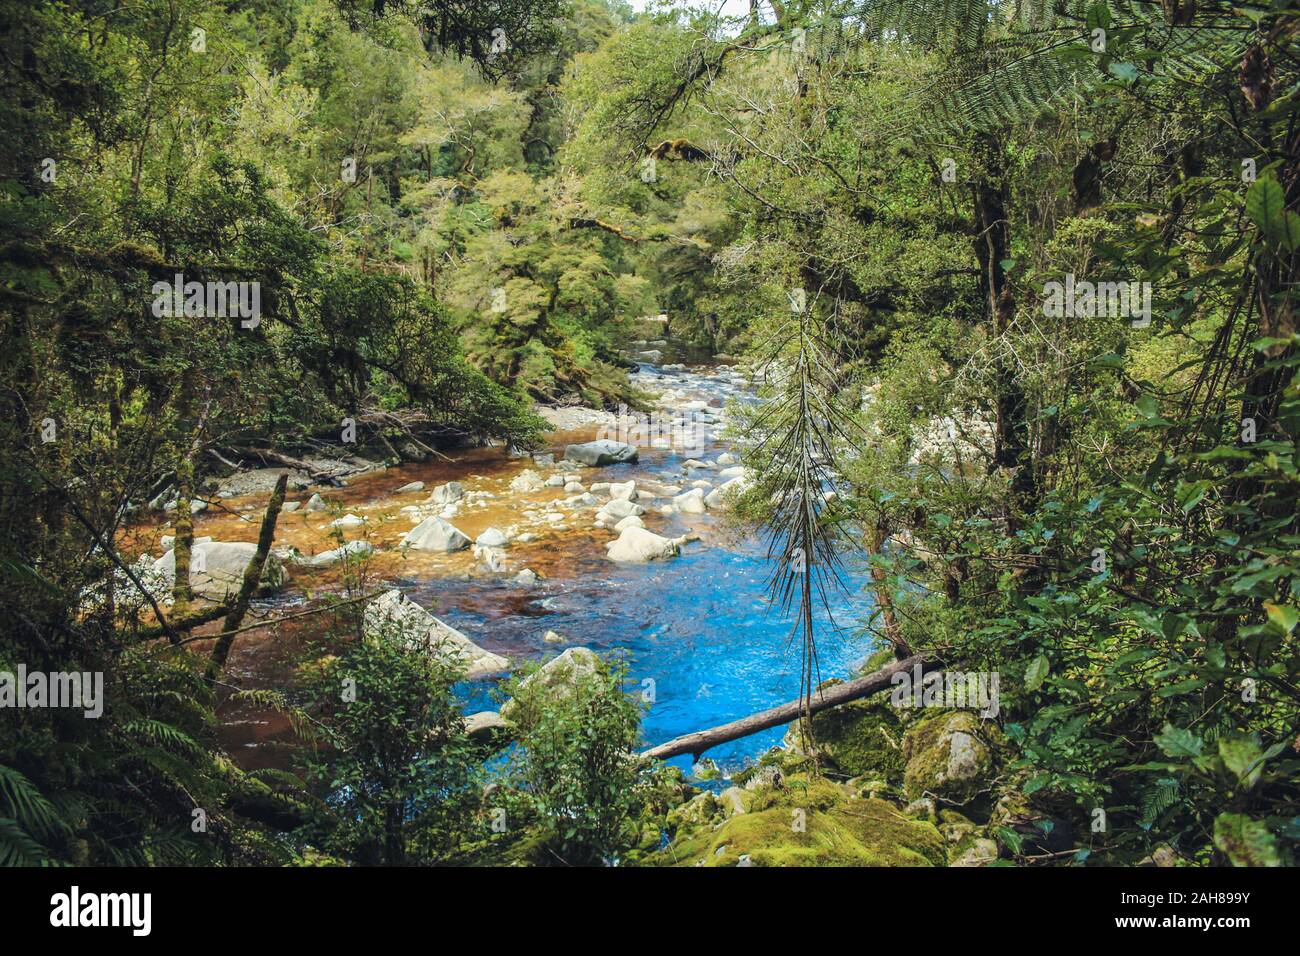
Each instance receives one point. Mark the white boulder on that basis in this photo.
(557, 678)
(217, 568)
(618, 508)
(639, 545)
(447, 494)
(717, 498)
(526, 481)
(435, 534)
(691, 502)
(603, 451)
(327, 558)
(393, 616)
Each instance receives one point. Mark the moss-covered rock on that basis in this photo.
(955, 827)
(949, 756)
(705, 769)
(701, 810)
(807, 822)
(978, 851)
(772, 766)
(876, 661)
(733, 801)
(869, 785)
(922, 809)
(855, 739)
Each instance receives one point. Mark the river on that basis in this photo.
(700, 626)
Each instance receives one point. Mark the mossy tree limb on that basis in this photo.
(252, 577)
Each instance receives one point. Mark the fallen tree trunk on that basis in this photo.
(270, 454)
(702, 740)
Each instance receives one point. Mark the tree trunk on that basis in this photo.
(183, 546)
(992, 246)
(252, 578)
(702, 740)
(874, 541)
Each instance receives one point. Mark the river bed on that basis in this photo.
(699, 630)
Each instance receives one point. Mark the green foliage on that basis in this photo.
(1100, 511)
(576, 766)
(987, 453)
(402, 775)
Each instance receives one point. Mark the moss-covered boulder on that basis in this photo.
(702, 810)
(955, 827)
(806, 822)
(864, 737)
(950, 756)
(977, 851)
(772, 766)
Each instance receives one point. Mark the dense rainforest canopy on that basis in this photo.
(1017, 280)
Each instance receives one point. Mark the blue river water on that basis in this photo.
(700, 626)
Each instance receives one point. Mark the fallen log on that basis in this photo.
(269, 454)
(701, 740)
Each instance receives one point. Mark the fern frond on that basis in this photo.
(161, 734)
(18, 847)
(28, 806)
(1162, 797)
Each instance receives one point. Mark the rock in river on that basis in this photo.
(435, 534)
(557, 679)
(619, 508)
(719, 496)
(327, 558)
(526, 481)
(638, 544)
(603, 451)
(217, 567)
(392, 615)
(446, 494)
(691, 503)
(487, 726)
